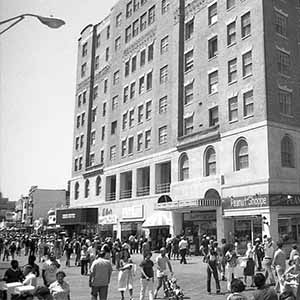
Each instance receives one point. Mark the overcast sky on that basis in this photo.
(37, 88)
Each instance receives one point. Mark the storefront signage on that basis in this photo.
(200, 216)
(133, 212)
(245, 202)
(285, 200)
(69, 216)
(107, 220)
(73, 216)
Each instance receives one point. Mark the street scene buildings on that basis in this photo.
(187, 120)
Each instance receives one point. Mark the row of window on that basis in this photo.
(87, 188)
(133, 5)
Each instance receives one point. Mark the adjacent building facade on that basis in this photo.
(187, 119)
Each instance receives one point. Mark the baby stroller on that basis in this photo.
(173, 290)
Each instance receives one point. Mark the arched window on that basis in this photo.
(98, 185)
(183, 167)
(210, 161)
(241, 155)
(87, 188)
(287, 152)
(76, 191)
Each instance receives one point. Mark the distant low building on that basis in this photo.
(6, 206)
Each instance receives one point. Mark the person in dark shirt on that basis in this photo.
(147, 276)
(264, 292)
(35, 267)
(13, 274)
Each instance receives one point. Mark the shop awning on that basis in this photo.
(158, 219)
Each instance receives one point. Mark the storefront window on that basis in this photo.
(289, 228)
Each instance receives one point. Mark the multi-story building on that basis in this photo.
(6, 208)
(187, 118)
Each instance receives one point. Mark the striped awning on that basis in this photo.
(158, 219)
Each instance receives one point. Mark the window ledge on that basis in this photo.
(231, 8)
(188, 71)
(246, 36)
(247, 76)
(247, 117)
(148, 119)
(130, 154)
(214, 93)
(188, 39)
(233, 121)
(213, 57)
(147, 149)
(284, 75)
(231, 45)
(212, 24)
(282, 36)
(232, 82)
(188, 104)
(286, 115)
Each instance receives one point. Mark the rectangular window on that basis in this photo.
(115, 102)
(113, 152)
(118, 20)
(124, 120)
(285, 101)
(97, 62)
(130, 145)
(189, 93)
(164, 45)
(135, 28)
(102, 133)
(139, 142)
(147, 139)
(133, 64)
(142, 85)
(189, 61)
(149, 81)
(95, 92)
(163, 104)
(233, 108)
(247, 64)
(84, 97)
(230, 4)
(189, 29)
(164, 6)
(143, 22)
(105, 86)
(127, 68)
(93, 138)
(92, 159)
(129, 9)
(148, 110)
(163, 75)
(113, 127)
(84, 49)
(101, 156)
(246, 24)
(76, 164)
(79, 100)
(108, 32)
(231, 34)
(83, 70)
(107, 54)
(77, 143)
(136, 5)
(123, 147)
(151, 15)
(131, 117)
(98, 40)
(143, 57)
(132, 90)
(117, 43)
(143, 2)
(212, 14)
(213, 116)
(150, 52)
(128, 34)
(283, 62)
(188, 125)
(140, 113)
(81, 140)
(213, 47)
(125, 94)
(232, 70)
(116, 77)
(82, 119)
(280, 24)
(248, 104)
(213, 82)
(104, 109)
(80, 162)
(162, 135)
(94, 114)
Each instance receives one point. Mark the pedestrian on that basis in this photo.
(249, 270)
(224, 248)
(259, 253)
(35, 267)
(263, 291)
(279, 264)
(268, 259)
(68, 249)
(147, 277)
(125, 276)
(30, 277)
(183, 245)
(162, 262)
(169, 241)
(100, 274)
(293, 253)
(6, 251)
(175, 247)
(231, 263)
(212, 260)
(77, 250)
(237, 287)
(60, 289)
(146, 248)
(13, 274)
(49, 269)
(84, 260)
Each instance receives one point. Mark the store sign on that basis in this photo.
(200, 216)
(133, 212)
(68, 216)
(108, 220)
(245, 202)
(285, 200)
(73, 216)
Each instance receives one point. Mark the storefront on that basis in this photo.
(78, 220)
(107, 226)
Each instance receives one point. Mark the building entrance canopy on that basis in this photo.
(74, 216)
(158, 219)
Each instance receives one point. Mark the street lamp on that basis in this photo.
(48, 21)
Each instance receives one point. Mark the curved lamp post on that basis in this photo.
(48, 21)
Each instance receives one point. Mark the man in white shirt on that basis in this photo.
(183, 246)
(49, 269)
(268, 259)
(162, 261)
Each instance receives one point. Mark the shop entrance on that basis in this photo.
(158, 237)
(131, 228)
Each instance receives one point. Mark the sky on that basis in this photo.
(37, 92)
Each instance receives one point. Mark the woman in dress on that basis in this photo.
(125, 277)
(249, 270)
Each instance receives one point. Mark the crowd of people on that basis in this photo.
(264, 263)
